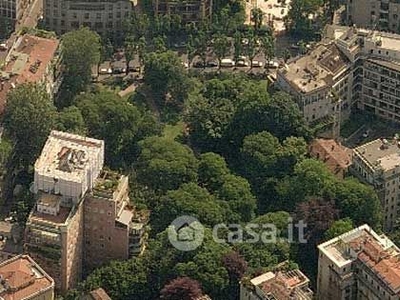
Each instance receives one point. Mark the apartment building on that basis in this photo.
(113, 228)
(359, 264)
(12, 11)
(21, 278)
(67, 167)
(82, 217)
(378, 164)
(382, 15)
(278, 285)
(104, 17)
(190, 11)
(370, 79)
(32, 59)
(320, 83)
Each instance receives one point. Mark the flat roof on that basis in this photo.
(50, 200)
(317, 69)
(68, 156)
(59, 219)
(377, 153)
(24, 278)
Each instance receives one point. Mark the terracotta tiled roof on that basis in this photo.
(334, 155)
(22, 277)
(31, 50)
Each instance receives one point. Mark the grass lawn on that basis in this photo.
(171, 132)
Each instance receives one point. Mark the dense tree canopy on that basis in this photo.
(29, 116)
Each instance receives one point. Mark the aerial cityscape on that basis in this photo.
(199, 150)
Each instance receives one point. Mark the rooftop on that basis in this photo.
(380, 153)
(378, 253)
(283, 284)
(316, 70)
(98, 294)
(334, 155)
(28, 62)
(59, 219)
(68, 156)
(21, 277)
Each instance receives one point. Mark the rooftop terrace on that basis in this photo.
(380, 153)
(316, 70)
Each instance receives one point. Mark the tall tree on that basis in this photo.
(130, 51)
(221, 46)
(29, 116)
(81, 51)
(257, 16)
(181, 288)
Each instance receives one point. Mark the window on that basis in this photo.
(98, 16)
(86, 16)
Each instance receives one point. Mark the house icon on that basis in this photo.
(186, 233)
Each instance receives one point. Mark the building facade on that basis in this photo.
(12, 11)
(104, 17)
(359, 264)
(82, 217)
(113, 228)
(382, 15)
(23, 279)
(368, 64)
(378, 163)
(190, 11)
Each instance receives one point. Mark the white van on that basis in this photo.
(227, 63)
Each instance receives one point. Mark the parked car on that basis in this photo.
(227, 63)
(242, 63)
(134, 69)
(198, 64)
(212, 64)
(118, 70)
(105, 71)
(256, 64)
(3, 47)
(273, 64)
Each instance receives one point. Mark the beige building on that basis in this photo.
(320, 82)
(378, 164)
(113, 228)
(21, 278)
(32, 59)
(359, 264)
(190, 11)
(104, 17)
(368, 76)
(12, 11)
(381, 15)
(278, 285)
(82, 217)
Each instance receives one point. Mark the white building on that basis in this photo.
(68, 165)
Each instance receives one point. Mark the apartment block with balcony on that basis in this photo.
(12, 11)
(378, 164)
(21, 278)
(359, 264)
(66, 169)
(114, 229)
(190, 11)
(382, 15)
(104, 17)
(277, 285)
(83, 217)
(320, 82)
